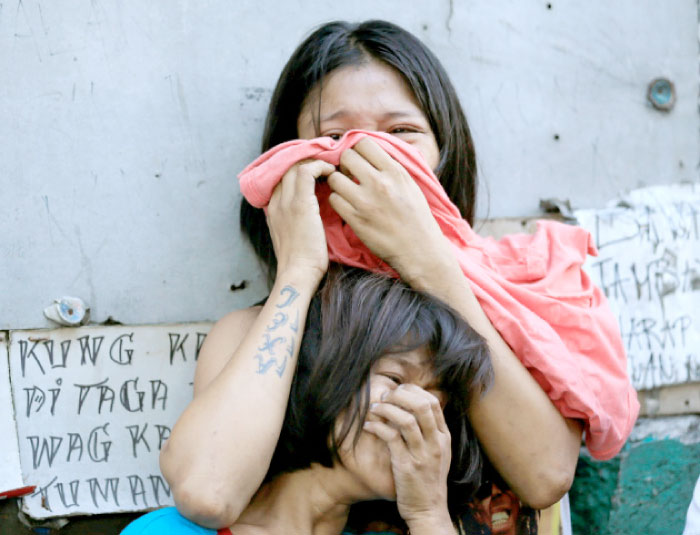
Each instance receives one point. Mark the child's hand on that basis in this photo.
(413, 427)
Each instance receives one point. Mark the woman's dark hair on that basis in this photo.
(356, 318)
(338, 44)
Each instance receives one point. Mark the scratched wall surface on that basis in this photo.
(124, 124)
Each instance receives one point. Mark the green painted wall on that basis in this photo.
(591, 494)
(644, 491)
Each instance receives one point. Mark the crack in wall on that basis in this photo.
(451, 12)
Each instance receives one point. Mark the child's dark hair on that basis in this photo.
(338, 44)
(356, 318)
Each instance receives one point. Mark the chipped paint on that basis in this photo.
(647, 488)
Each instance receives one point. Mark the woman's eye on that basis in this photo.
(335, 136)
(402, 130)
(394, 378)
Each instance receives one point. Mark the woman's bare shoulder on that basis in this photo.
(221, 343)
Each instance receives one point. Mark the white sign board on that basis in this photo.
(649, 268)
(93, 407)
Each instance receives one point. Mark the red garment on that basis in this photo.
(224, 531)
(531, 287)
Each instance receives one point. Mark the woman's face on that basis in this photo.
(369, 459)
(369, 96)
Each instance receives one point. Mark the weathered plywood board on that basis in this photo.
(671, 400)
(93, 407)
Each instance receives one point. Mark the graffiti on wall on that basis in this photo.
(649, 268)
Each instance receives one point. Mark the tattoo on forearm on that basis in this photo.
(295, 324)
(292, 295)
(267, 358)
(270, 343)
(279, 320)
(265, 365)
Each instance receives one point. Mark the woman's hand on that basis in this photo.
(412, 425)
(385, 207)
(294, 219)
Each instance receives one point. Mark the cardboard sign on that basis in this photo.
(649, 268)
(93, 407)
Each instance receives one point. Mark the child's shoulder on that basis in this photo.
(166, 520)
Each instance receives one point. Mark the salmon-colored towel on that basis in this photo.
(531, 287)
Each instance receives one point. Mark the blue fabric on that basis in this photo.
(169, 521)
(166, 520)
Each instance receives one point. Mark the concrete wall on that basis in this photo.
(125, 123)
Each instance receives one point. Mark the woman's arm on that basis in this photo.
(221, 446)
(526, 438)
(528, 441)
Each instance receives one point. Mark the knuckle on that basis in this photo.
(383, 186)
(363, 206)
(424, 406)
(407, 420)
(435, 403)
(311, 168)
(398, 172)
(334, 179)
(430, 396)
(306, 171)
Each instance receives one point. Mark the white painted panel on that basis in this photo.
(124, 124)
(93, 407)
(649, 268)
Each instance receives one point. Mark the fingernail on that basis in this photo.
(384, 395)
(373, 406)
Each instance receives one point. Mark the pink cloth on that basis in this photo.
(531, 287)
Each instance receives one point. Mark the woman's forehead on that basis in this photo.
(371, 87)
